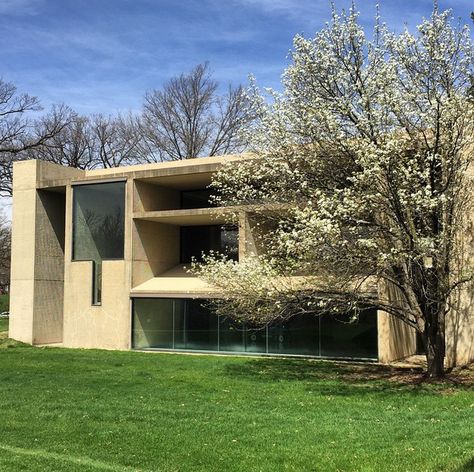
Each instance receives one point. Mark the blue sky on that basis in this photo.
(102, 55)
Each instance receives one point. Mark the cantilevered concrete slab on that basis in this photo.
(176, 282)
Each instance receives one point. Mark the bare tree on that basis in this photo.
(187, 118)
(5, 250)
(87, 142)
(72, 146)
(116, 139)
(18, 131)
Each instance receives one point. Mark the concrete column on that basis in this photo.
(38, 244)
(22, 283)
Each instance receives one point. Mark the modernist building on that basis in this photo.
(98, 261)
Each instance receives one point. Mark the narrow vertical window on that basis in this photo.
(96, 282)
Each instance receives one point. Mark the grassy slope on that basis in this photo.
(67, 410)
(4, 302)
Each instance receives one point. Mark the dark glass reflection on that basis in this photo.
(96, 282)
(153, 323)
(196, 240)
(298, 335)
(196, 198)
(255, 340)
(340, 338)
(231, 335)
(98, 227)
(98, 221)
(237, 337)
(195, 326)
(191, 325)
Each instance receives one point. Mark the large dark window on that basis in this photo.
(153, 323)
(190, 325)
(195, 326)
(196, 240)
(341, 338)
(197, 198)
(98, 227)
(298, 335)
(98, 221)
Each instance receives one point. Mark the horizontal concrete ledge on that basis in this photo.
(180, 294)
(54, 184)
(189, 217)
(111, 180)
(198, 164)
(52, 176)
(175, 283)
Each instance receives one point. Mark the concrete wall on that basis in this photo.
(108, 325)
(49, 267)
(22, 285)
(156, 249)
(396, 339)
(460, 319)
(250, 235)
(105, 326)
(151, 197)
(460, 329)
(37, 268)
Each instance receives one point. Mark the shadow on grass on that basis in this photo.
(7, 343)
(338, 378)
(468, 466)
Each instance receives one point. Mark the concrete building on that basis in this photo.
(98, 262)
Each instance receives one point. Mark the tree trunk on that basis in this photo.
(434, 337)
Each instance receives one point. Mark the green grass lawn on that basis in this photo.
(4, 302)
(78, 410)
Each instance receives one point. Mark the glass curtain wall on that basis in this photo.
(98, 227)
(187, 324)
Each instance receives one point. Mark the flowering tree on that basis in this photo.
(360, 185)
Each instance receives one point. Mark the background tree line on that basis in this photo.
(186, 118)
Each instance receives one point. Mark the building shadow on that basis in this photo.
(467, 467)
(341, 378)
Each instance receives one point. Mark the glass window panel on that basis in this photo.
(229, 242)
(96, 282)
(231, 335)
(152, 323)
(256, 340)
(179, 323)
(201, 326)
(196, 198)
(196, 240)
(98, 221)
(342, 339)
(298, 335)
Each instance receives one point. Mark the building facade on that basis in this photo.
(99, 260)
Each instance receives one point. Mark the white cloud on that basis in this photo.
(19, 7)
(291, 8)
